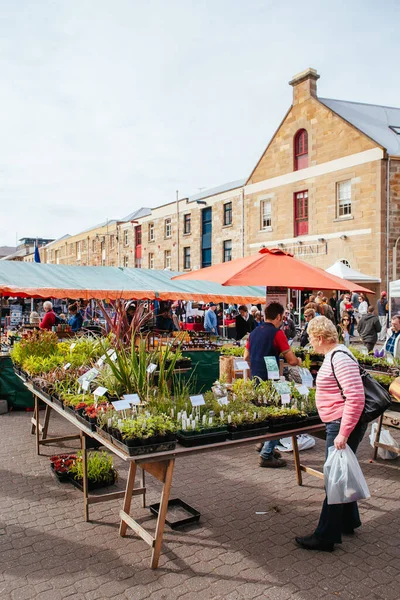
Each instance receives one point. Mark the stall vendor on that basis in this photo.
(164, 322)
(49, 319)
(76, 320)
(269, 340)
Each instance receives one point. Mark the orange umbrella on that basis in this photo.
(273, 268)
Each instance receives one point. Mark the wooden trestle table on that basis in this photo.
(159, 464)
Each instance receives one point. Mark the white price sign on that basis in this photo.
(197, 400)
(151, 368)
(121, 405)
(100, 391)
(132, 398)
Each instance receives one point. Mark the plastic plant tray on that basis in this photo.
(246, 433)
(177, 509)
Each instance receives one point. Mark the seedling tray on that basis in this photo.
(85, 422)
(201, 439)
(286, 425)
(177, 508)
(145, 449)
(245, 433)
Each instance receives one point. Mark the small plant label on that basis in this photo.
(303, 389)
(72, 346)
(89, 376)
(100, 391)
(121, 405)
(223, 401)
(110, 351)
(283, 390)
(67, 366)
(390, 359)
(306, 377)
(132, 398)
(103, 358)
(100, 363)
(151, 368)
(272, 367)
(241, 365)
(285, 399)
(197, 400)
(85, 385)
(113, 356)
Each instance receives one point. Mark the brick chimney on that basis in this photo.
(304, 85)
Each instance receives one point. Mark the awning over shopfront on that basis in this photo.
(110, 283)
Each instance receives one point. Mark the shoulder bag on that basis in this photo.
(377, 399)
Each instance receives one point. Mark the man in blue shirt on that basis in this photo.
(392, 344)
(210, 319)
(76, 320)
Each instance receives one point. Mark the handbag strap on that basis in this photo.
(333, 369)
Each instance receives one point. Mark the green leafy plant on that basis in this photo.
(100, 468)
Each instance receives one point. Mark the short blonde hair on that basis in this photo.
(323, 327)
(309, 312)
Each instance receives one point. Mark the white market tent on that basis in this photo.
(341, 270)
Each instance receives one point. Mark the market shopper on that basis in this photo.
(309, 314)
(363, 306)
(341, 418)
(382, 306)
(244, 322)
(49, 319)
(164, 322)
(210, 319)
(288, 327)
(75, 320)
(392, 345)
(269, 340)
(368, 328)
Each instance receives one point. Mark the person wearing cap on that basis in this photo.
(210, 319)
(382, 306)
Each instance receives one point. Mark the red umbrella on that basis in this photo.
(274, 268)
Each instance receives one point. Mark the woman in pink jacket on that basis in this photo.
(340, 410)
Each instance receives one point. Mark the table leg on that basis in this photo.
(37, 424)
(297, 460)
(33, 421)
(46, 421)
(162, 515)
(143, 485)
(128, 497)
(84, 477)
(378, 435)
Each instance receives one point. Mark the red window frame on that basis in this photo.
(300, 150)
(300, 202)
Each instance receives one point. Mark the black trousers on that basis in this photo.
(336, 519)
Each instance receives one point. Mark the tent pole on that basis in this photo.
(223, 319)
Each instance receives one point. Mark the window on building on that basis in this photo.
(395, 128)
(151, 232)
(167, 259)
(266, 220)
(227, 251)
(57, 257)
(228, 213)
(138, 235)
(343, 198)
(167, 228)
(186, 258)
(301, 213)
(111, 241)
(94, 245)
(125, 237)
(151, 261)
(301, 150)
(102, 245)
(126, 260)
(187, 223)
(345, 262)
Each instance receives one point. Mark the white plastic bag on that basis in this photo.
(384, 438)
(344, 480)
(304, 442)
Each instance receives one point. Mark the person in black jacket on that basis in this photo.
(309, 314)
(368, 327)
(244, 322)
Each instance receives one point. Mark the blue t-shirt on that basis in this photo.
(76, 322)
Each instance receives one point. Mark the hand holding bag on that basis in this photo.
(344, 480)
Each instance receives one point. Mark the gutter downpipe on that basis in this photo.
(387, 223)
(177, 229)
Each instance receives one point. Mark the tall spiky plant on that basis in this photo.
(119, 327)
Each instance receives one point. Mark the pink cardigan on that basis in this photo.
(330, 403)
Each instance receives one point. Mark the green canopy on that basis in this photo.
(40, 280)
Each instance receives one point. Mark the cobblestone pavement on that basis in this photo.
(47, 551)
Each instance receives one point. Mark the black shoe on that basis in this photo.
(272, 463)
(310, 542)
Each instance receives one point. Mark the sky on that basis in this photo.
(110, 105)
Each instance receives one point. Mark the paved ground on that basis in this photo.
(47, 551)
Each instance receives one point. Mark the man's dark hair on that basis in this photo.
(273, 310)
(243, 307)
(371, 309)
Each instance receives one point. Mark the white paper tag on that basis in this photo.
(389, 359)
(132, 398)
(110, 351)
(100, 391)
(72, 346)
(197, 400)
(88, 376)
(85, 385)
(241, 365)
(103, 358)
(113, 356)
(151, 368)
(100, 363)
(121, 405)
(303, 389)
(67, 366)
(223, 401)
(306, 377)
(272, 367)
(285, 398)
